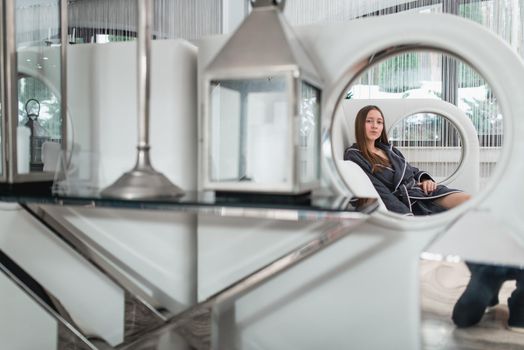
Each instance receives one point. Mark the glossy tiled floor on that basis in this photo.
(442, 284)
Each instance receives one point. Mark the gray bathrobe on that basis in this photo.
(398, 186)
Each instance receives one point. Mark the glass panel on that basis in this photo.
(309, 134)
(39, 112)
(430, 141)
(249, 131)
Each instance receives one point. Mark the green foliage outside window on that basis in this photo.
(397, 73)
(472, 12)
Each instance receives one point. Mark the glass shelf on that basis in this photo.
(315, 207)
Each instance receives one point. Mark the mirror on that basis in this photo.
(439, 113)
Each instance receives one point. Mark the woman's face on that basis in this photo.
(374, 125)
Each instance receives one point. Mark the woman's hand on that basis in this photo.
(428, 186)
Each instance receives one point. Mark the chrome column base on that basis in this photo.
(142, 182)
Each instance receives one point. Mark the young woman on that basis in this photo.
(403, 188)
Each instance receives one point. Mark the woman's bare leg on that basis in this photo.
(453, 199)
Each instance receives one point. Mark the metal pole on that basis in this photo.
(143, 181)
(10, 105)
(3, 152)
(144, 67)
(449, 64)
(64, 40)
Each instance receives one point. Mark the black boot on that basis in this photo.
(516, 305)
(481, 292)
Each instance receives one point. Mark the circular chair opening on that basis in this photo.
(430, 139)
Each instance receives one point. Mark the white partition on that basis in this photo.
(102, 95)
(20, 314)
(155, 250)
(94, 302)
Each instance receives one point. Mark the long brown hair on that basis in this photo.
(360, 136)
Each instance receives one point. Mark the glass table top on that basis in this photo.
(295, 208)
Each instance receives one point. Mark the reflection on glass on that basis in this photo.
(39, 111)
(430, 142)
(249, 148)
(309, 138)
(39, 121)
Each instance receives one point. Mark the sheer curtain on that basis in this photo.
(115, 20)
(37, 21)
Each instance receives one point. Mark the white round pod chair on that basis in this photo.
(500, 66)
(363, 291)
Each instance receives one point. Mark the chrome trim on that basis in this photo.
(144, 20)
(10, 94)
(10, 85)
(243, 286)
(3, 153)
(64, 39)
